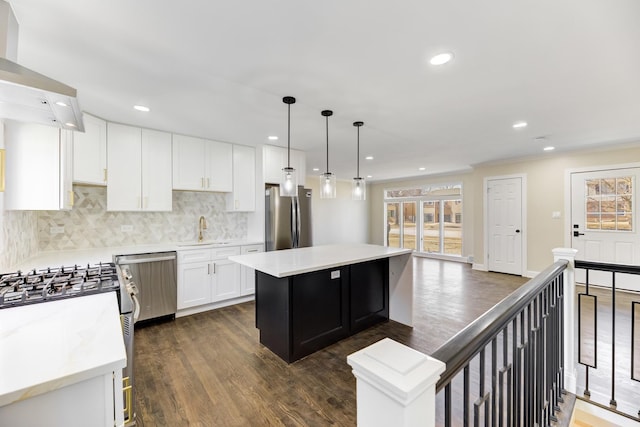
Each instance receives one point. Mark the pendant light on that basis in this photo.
(358, 186)
(289, 179)
(327, 179)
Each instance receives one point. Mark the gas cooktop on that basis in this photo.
(54, 283)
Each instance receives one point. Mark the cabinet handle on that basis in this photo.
(127, 389)
(105, 174)
(252, 250)
(214, 268)
(208, 268)
(71, 198)
(201, 182)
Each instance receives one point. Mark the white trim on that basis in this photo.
(567, 192)
(531, 274)
(446, 257)
(213, 306)
(523, 226)
(479, 267)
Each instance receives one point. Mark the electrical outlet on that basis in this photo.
(126, 228)
(56, 230)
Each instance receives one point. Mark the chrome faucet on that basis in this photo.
(202, 225)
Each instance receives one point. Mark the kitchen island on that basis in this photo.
(62, 363)
(309, 298)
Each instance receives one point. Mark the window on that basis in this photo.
(609, 204)
(431, 219)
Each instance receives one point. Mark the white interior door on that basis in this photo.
(603, 206)
(504, 219)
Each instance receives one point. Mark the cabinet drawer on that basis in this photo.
(217, 253)
(249, 249)
(196, 255)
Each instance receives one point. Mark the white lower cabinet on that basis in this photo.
(247, 274)
(205, 276)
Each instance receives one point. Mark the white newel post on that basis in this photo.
(395, 385)
(570, 371)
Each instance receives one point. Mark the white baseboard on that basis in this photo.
(531, 274)
(444, 257)
(479, 267)
(206, 307)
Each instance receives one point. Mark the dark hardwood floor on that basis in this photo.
(209, 369)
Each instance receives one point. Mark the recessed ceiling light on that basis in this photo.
(549, 148)
(519, 125)
(369, 158)
(61, 104)
(141, 108)
(369, 176)
(71, 125)
(316, 169)
(273, 138)
(421, 169)
(441, 58)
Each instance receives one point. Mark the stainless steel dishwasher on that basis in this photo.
(155, 275)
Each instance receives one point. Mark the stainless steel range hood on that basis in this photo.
(29, 96)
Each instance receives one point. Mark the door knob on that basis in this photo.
(577, 233)
(517, 231)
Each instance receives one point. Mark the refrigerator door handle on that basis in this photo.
(294, 221)
(298, 222)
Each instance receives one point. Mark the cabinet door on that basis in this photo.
(243, 197)
(33, 155)
(124, 157)
(320, 310)
(156, 171)
(273, 160)
(66, 169)
(90, 152)
(218, 166)
(298, 162)
(226, 280)
(188, 163)
(248, 275)
(194, 284)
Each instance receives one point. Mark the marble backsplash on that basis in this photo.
(19, 237)
(90, 225)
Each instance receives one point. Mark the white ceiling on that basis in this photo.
(219, 69)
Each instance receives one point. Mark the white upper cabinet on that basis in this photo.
(139, 169)
(38, 167)
(274, 159)
(243, 197)
(156, 171)
(202, 165)
(90, 152)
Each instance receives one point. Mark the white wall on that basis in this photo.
(339, 220)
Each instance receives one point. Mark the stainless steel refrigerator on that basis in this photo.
(288, 219)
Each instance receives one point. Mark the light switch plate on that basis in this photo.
(555, 214)
(335, 274)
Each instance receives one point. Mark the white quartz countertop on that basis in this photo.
(47, 346)
(290, 262)
(95, 255)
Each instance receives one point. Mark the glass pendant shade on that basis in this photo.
(327, 186)
(289, 178)
(358, 189)
(289, 182)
